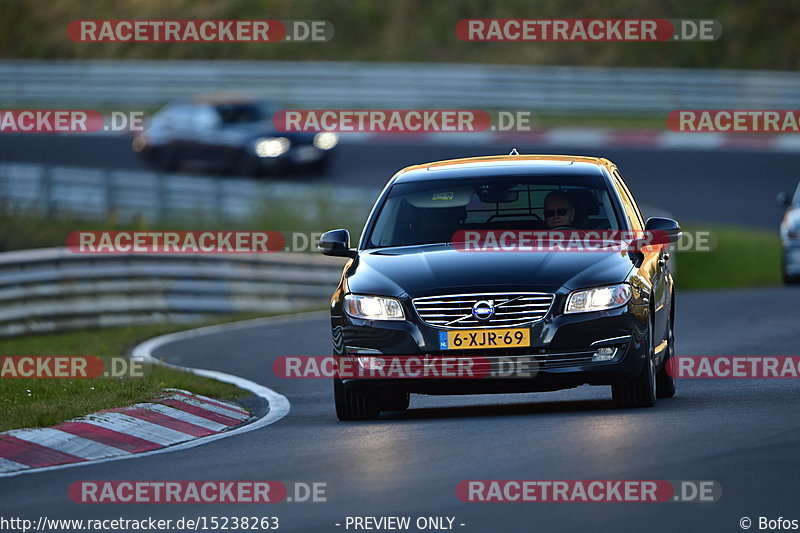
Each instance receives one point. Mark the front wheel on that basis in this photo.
(641, 391)
(355, 404)
(665, 383)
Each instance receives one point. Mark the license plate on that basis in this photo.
(484, 338)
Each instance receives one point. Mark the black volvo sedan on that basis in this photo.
(567, 317)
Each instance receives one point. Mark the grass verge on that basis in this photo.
(20, 230)
(28, 403)
(743, 257)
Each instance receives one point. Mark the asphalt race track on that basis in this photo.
(728, 186)
(742, 433)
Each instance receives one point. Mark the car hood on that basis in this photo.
(419, 271)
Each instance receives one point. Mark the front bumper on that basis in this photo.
(298, 154)
(563, 352)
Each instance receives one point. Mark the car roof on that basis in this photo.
(224, 98)
(505, 165)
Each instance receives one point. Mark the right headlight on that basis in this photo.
(373, 307)
(326, 140)
(598, 299)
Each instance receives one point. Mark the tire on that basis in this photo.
(641, 391)
(665, 383)
(354, 404)
(395, 401)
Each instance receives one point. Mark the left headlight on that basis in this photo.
(326, 140)
(139, 143)
(373, 307)
(598, 299)
(271, 146)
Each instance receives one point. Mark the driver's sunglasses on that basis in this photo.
(550, 213)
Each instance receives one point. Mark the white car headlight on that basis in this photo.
(598, 299)
(272, 146)
(326, 140)
(373, 307)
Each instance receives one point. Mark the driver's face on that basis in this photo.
(561, 214)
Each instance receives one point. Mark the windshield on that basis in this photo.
(245, 112)
(430, 212)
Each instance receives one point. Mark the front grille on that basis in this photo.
(510, 309)
(524, 359)
(542, 361)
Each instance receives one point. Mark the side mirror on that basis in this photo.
(784, 199)
(664, 230)
(336, 243)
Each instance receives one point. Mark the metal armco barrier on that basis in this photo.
(127, 194)
(54, 289)
(105, 83)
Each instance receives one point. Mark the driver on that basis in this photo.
(558, 210)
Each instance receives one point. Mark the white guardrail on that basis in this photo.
(126, 195)
(104, 83)
(54, 289)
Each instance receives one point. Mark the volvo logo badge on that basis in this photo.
(483, 310)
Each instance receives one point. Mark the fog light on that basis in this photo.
(368, 358)
(369, 362)
(604, 354)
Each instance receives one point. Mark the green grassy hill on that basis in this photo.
(755, 34)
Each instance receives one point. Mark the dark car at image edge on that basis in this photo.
(590, 317)
(790, 236)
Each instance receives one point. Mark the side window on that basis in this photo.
(205, 118)
(631, 209)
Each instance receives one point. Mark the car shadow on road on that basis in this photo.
(512, 409)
